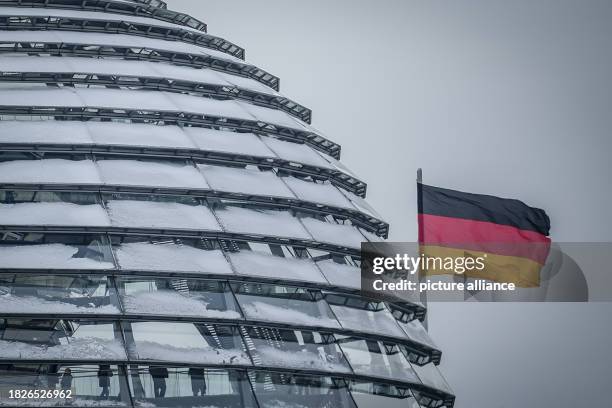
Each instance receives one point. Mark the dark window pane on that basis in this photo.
(57, 294)
(159, 386)
(275, 390)
(91, 385)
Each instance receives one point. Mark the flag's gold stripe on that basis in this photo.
(522, 272)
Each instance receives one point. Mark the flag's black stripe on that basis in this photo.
(480, 207)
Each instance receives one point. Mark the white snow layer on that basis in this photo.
(381, 322)
(150, 350)
(303, 359)
(172, 303)
(274, 116)
(31, 304)
(53, 213)
(84, 348)
(337, 234)
(270, 266)
(43, 256)
(296, 152)
(154, 174)
(137, 134)
(228, 142)
(52, 171)
(152, 214)
(261, 222)
(245, 181)
(171, 257)
(44, 131)
(362, 205)
(319, 193)
(259, 310)
(341, 275)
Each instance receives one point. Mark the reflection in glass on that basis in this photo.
(295, 349)
(51, 208)
(375, 319)
(367, 395)
(57, 294)
(157, 386)
(430, 375)
(287, 266)
(284, 304)
(186, 342)
(22, 250)
(415, 330)
(91, 385)
(274, 390)
(377, 358)
(29, 339)
(168, 254)
(179, 297)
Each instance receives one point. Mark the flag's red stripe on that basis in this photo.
(483, 236)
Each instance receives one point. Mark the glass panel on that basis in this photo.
(300, 349)
(54, 251)
(169, 255)
(245, 181)
(48, 171)
(274, 390)
(430, 375)
(151, 211)
(135, 134)
(261, 222)
(296, 152)
(178, 297)
(321, 193)
(157, 386)
(186, 342)
(173, 174)
(228, 142)
(336, 234)
(27, 339)
(341, 274)
(284, 304)
(376, 358)
(51, 208)
(379, 321)
(57, 294)
(256, 263)
(415, 331)
(367, 395)
(91, 385)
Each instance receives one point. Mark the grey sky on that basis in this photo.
(505, 98)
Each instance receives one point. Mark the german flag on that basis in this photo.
(511, 236)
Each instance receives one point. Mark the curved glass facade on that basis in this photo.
(174, 233)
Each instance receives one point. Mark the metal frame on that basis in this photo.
(336, 177)
(97, 25)
(144, 53)
(274, 101)
(417, 311)
(145, 8)
(180, 119)
(358, 219)
(346, 378)
(429, 354)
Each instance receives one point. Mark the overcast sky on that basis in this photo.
(511, 98)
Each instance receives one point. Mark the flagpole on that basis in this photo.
(419, 180)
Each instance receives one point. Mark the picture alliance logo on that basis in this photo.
(412, 264)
